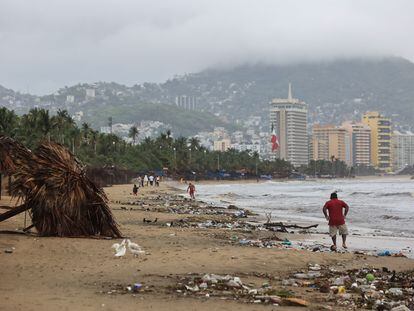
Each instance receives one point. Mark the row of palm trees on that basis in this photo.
(178, 155)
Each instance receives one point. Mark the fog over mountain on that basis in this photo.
(46, 44)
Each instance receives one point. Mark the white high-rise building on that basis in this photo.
(402, 146)
(289, 118)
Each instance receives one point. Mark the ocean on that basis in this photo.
(378, 206)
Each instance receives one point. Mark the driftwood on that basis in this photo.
(282, 225)
(17, 232)
(6, 207)
(13, 212)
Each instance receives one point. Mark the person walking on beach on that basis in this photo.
(333, 211)
(146, 180)
(151, 180)
(135, 190)
(191, 190)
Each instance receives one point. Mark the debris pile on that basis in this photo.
(375, 289)
(232, 287)
(176, 204)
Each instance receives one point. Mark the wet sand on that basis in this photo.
(47, 273)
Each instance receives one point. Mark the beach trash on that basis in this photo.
(400, 308)
(286, 242)
(310, 275)
(203, 285)
(370, 277)
(341, 290)
(384, 253)
(192, 289)
(137, 287)
(295, 302)
(315, 267)
(289, 282)
(395, 291)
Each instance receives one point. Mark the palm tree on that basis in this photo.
(85, 132)
(194, 143)
(45, 123)
(133, 133)
(94, 139)
(62, 122)
(8, 122)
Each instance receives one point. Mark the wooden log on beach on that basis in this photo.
(282, 225)
(6, 207)
(13, 212)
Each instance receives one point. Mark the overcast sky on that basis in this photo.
(47, 44)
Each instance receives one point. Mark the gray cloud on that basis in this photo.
(46, 44)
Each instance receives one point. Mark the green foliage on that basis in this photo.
(183, 122)
(180, 156)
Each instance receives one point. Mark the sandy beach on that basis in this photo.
(46, 273)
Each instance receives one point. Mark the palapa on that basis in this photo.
(62, 200)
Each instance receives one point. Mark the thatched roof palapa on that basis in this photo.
(12, 155)
(62, 200)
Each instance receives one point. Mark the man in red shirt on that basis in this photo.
(336, 218)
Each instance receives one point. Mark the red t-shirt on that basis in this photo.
(335, 209)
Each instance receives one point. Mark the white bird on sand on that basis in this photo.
(134, 248)
(120, 249)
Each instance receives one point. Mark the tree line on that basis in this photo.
(179, 156)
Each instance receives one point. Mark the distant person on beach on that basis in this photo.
(139, 180)
(191, 190)
(333, 211)
(135, 189)
(146, 180)
(151, 180)
(142, 181)
(157, 181)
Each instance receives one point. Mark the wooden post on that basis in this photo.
(9, 184)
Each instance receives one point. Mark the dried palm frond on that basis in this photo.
(12, 154)
(63, 201)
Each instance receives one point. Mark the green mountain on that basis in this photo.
(182, 122)
(335, 91)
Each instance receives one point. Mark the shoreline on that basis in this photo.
(393, 242)
(184, 241)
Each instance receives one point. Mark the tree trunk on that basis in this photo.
(15, 211)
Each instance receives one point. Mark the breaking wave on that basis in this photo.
(397, 194)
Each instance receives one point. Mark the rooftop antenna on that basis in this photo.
(290, 92)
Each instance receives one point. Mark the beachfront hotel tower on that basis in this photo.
(288, 116)
(402, 150)
(380, 139)
(330, 142)
(360, 142)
